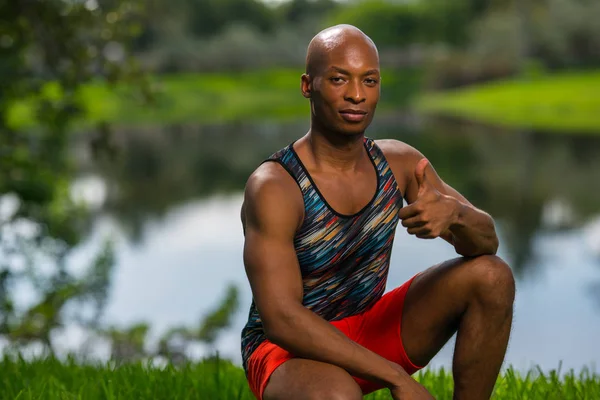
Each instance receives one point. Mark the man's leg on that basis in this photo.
(473, 296)
(301, 379)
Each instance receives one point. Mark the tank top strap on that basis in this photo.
(387, 180)
(286, 158)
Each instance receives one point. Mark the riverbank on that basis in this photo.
(565, 103)
(207, 98)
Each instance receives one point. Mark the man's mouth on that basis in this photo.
(353, 115)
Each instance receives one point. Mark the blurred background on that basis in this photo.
(128, 129)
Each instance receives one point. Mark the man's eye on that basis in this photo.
(336, 79)
(372, 81)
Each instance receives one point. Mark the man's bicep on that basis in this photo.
(273, 272)
(271, 216)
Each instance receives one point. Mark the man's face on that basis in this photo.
(345, 88)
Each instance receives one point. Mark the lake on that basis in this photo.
(171, 196)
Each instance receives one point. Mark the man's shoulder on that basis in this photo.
(271, 194)
(396, 151)
(271, 183)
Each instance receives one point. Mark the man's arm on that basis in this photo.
(438, 210)
(273, 210)
(473, 233)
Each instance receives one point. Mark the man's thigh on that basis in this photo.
(437, 299)
(302, 379)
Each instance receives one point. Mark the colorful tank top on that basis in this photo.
(344, 259)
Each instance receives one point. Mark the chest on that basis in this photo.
(331, 241)
(347, 195)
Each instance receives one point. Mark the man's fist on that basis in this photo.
(433, 212)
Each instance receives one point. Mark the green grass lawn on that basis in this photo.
(206, 98)
(568, 102)
(51, 379)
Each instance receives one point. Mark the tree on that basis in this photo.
(130, 343)
(297, 11)
(210, 17)
(48, 50)
(388, 24)
(175, 342)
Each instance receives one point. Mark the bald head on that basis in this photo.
(339, 37)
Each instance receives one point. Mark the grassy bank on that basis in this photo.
(207, 98)
(49, 379)
(568, 102)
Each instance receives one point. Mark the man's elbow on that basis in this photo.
(276, 336)
(492, 244)
(495, 245)
(472, 250)
(278, 326)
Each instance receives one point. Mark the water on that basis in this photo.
(180, 239)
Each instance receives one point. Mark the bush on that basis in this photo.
(567, 33)
(239, 47)
(388, 24)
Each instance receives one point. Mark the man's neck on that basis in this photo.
(337, 151)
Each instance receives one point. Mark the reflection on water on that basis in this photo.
(185, 262)
(527, 181)
(539, 187)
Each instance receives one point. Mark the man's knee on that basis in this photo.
(493, 280)
(307, 379)
(336, 391)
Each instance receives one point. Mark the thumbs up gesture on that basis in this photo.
(432, 213)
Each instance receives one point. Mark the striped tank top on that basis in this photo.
(344, 259)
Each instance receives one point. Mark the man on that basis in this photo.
(319, 221)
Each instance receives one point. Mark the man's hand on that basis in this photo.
(408, 388)
(433, 212)
(413, 391)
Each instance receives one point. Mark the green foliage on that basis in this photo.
(566, 33)
(297, 11)
(510, 36)
(221, 380)
(566, 102)
(449, 21)
(210, 17)
(388, 24)
(129, 344)
(55, 290)
(48, 50)
(268, 94)
(174, 343)
(210, 98)
(220, 318)
(400, 24)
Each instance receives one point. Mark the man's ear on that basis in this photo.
(306, 85)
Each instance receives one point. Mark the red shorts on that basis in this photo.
(377, 329)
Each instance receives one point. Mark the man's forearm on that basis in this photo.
(473, 232)
(306, 335)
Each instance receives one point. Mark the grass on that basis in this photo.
(52, 379)
(567, 102)
(204, 98)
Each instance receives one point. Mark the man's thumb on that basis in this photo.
(420, 171)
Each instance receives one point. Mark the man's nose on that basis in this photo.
(355, 92)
